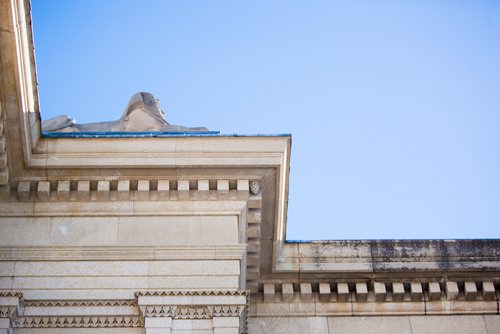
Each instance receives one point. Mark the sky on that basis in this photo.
(393, 106)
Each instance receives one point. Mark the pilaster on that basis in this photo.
(9, 303)
(223, 312)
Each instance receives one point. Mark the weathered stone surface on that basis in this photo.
(492, 323)
(446, 325)
(382, 325)
(286, 325)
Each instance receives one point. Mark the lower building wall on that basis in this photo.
(462, 324)
(78, 330)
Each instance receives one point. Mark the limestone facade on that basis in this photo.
(186, 234)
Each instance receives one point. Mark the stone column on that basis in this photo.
(158, 325)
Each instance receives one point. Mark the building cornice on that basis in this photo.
(51, 176)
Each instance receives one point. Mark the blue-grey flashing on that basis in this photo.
(124, 134)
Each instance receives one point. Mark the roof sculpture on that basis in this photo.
(143, 113)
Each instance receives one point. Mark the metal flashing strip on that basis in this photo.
(124, 134)
(152, 134)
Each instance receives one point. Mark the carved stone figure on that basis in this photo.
(142, 114)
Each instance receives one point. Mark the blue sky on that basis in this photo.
(394, 106)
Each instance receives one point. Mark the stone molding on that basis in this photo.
(84, 190)
(432, 260)
(408, 291)
(170, 293)
(209, 304)
(78, 303)
(4, 168)
(91, 253)
(192, 312)
(77, 321)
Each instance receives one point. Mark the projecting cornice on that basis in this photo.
(49, 175)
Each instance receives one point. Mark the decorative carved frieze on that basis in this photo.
(79, 303)
(11, 294)
(78, 321)
(7, 311)
(162, 293)
(193, 312)
(196, 305)
(227, 310)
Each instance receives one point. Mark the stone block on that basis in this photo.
(6, 269)
(103, 189)
(226, 322)
(43, 191)
(287, 292)
(451, 290)
(398, 291)
(4, 323)
(434, 291)
(233, 330)
(123, 190)
(466, 324)
(470, 290)
(492, 323)
(269, 292)
(243, 185)
(334, 309)
(163, 185)
(183, 185)
(372, 325)
(342, 292)
(84, 231)
(35, 232)
(387, 308)
(143, 185)
(23, 190)
(306, 294)
(361, 291)
(253, 231)
(223, 185)
(254, 216)
(325, 292)
(203, 185)
(63, 190)
(288, 325)
(379, 291)
(83, 190)
(160, 322)
(178, 231)
(488, 291)
(416, 291)
(3, 160)
(459, 307)
(143, 190)
(156, 331)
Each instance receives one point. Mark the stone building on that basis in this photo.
(161, 232)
